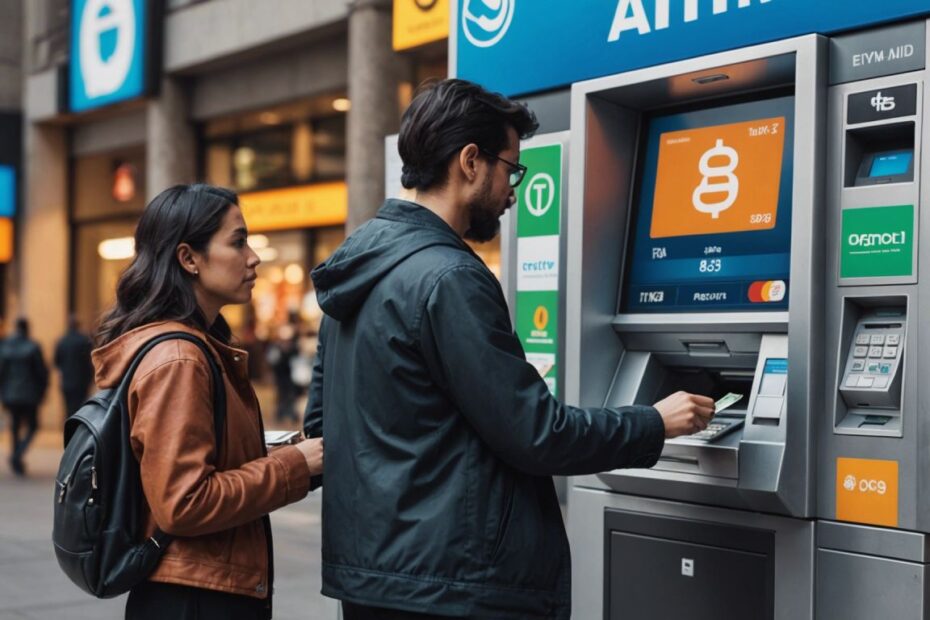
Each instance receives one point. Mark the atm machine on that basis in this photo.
(873, 459)
(695, 261)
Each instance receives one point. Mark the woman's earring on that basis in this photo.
(196, 272)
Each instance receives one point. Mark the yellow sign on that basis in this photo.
(306, 206)
(867, 491)
(418, 22)
(6, 239)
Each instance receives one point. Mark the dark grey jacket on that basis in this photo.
(440, 437)
(23, 373)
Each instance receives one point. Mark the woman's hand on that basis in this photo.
(312, 450)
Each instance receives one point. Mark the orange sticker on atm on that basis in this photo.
(718, 179)
(867, 491)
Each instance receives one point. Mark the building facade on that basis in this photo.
(287, 102)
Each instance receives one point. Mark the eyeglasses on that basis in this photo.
(517, 171)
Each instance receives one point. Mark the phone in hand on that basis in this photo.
(281, 438)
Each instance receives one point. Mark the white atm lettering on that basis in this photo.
(631, 14)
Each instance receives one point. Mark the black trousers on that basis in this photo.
(351, 611)
(161, 601)
(25, 418)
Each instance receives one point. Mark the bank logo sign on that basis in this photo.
(485, 22)
(108, 52)
(867, 491)
(877, 242)
(543, 44)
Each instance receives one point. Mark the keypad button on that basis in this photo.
(880, 382)
(860, 351)
(893, 340)
(852, 380)
(875, 351)
(885, 369)
(858, 365)
(878, 339)
(866, 382)
(891, 352)
(862, 339)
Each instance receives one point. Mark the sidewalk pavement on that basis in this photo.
(33, 587)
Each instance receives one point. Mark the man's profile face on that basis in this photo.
(494, 194)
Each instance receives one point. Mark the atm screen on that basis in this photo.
(891, 164)
(711, 226)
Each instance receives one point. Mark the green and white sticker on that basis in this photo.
(878, 242)
(539, 216)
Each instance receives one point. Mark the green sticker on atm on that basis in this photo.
(537, 326)
(878, 242)
(539, 198)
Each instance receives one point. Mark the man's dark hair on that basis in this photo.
(444, 117)
(22, 326)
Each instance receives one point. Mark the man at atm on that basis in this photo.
(441, 438)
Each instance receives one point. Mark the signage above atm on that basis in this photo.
(113, 49)
(525, 46)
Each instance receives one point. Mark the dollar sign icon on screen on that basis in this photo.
(718, 179)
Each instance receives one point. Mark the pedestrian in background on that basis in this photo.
(280, 354)
(23, 381)
(72, 359)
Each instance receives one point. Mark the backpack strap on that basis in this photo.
(160, 539)
(219, 389)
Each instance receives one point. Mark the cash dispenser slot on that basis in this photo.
(871, 370)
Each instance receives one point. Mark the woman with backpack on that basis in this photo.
(210, 494)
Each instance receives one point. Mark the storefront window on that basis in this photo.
(109, 196)
(285, 146)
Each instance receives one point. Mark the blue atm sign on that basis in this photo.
(109, 52)
(524, 46)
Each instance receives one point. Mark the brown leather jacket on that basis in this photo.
(215, 509)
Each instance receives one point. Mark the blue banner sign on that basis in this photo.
(109, 52)
(524, 46)
(7, 191)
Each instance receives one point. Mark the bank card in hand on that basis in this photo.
(727, 401)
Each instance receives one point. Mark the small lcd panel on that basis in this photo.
(891, 164)
(711, 225)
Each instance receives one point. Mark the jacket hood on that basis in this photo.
(112, 360)
(400, 230)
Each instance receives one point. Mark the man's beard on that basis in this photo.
(483, 216)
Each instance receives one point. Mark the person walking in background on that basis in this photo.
(23, 381)
(280, 354)
(72, 359)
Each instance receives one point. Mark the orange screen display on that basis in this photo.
(718, 179)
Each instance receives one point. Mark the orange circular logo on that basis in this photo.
(541, 317)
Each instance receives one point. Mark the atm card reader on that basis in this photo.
(717, 428)
(872, 375)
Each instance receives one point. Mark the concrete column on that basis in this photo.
(374, 73)
(43, 249)
(170, 146)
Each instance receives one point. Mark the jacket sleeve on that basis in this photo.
(173, 436)
(40, 370)
(313, 416)
(478, 360)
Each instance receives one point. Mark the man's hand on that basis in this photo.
(685, 414)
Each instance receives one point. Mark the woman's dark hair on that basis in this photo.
(444, 117)
(154, 287)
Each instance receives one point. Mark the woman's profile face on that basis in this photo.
(227, 270)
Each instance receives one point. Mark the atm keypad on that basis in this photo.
(873, 359)
(716, 429)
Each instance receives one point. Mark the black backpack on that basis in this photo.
(98, 490)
